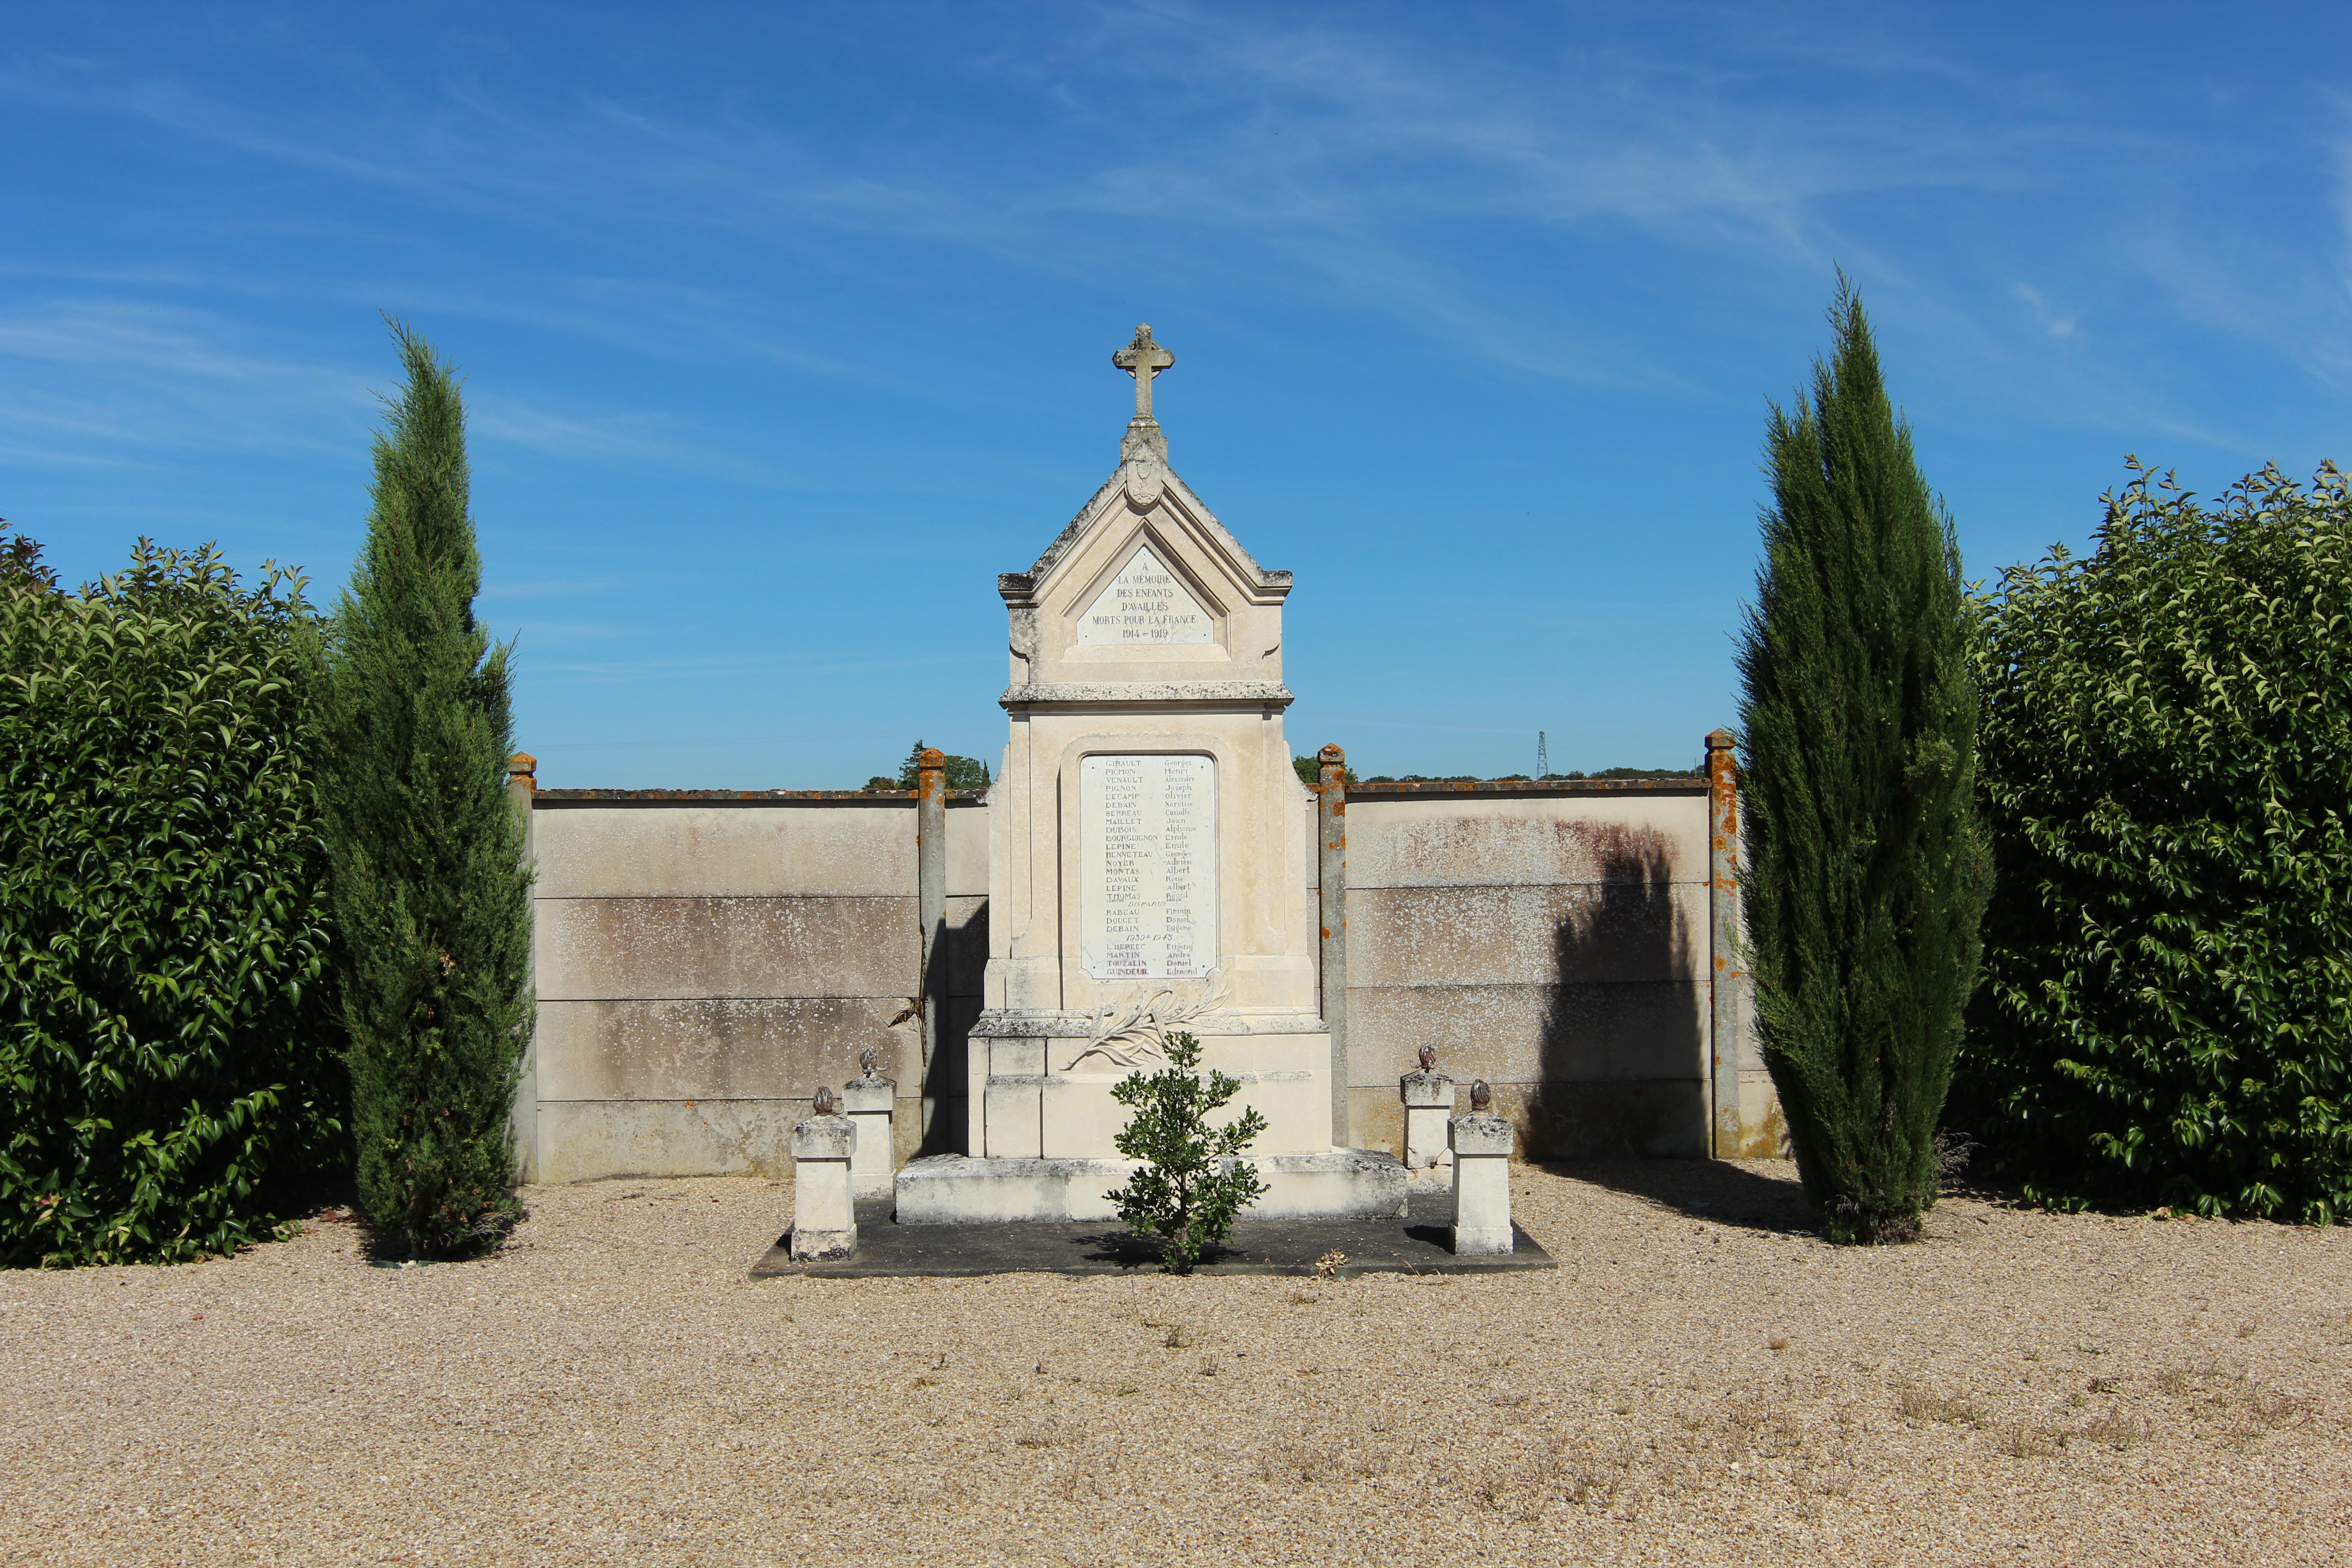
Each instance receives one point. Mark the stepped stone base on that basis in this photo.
(957, 1189)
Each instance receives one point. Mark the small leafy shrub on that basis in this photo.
(1191, 1184)
(169, 1054)
(2165, 774)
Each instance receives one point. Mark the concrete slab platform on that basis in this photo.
(1415, 1245)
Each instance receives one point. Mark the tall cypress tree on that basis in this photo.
(1867, 873)
(428, 879)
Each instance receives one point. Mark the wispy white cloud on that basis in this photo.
(110, 380)
(1374, 162)
(2057, 323)
(1345, 149)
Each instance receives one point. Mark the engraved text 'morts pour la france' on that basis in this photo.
(1145, 604)
(1148, 841)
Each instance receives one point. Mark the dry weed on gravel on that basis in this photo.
(1695, 1384)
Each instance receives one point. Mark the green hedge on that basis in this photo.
(168, 1052)
(2165, 769)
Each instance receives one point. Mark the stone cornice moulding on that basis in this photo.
(1151, 693)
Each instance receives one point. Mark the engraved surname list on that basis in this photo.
(1148, 866)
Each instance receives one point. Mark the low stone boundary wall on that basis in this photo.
(1570, 942)
(704, 959)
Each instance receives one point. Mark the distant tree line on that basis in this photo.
(960, 772)
(1310, 772)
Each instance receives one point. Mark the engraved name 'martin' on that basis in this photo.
(1148, 866)
(1146, 603)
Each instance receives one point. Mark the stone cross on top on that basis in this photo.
(1142, 359)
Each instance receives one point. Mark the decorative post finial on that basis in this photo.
(1428, 1057)
(1481, 1097)
(869, 1058)
(823, 1103)
(1143, 359)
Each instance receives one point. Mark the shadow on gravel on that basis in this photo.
(1701, 1189)
(1731, 1195)
(336, 1203)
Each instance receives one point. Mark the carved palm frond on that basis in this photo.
(1137, 1034)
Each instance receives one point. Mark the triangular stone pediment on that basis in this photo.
(1145, 604)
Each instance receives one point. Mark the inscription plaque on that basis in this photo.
(1148, 866)
(1146, 603)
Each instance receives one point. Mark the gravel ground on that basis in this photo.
(1695, 1384)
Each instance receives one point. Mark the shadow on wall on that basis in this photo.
(1623, 1051)
(959, 961)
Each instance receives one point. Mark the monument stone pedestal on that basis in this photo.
(1150, 865)
(824, 1215)
(1481, 1143)
(1428, 1097)
(871, 1103)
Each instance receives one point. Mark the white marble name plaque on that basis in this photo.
(1148, 866)
(1146, 603)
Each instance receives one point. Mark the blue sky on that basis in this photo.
(785, 328)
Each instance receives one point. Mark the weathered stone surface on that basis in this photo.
(726, 851)
(967, 849)
(1080, 1119)
(1162, 693)
(1535, 840)
(1428, 1098)
(869, 1103)
(951, 1189)
(1478, 1133)
(712, 1048)
(1470, 935)
(1519, 1034)
(1764, 1130)
(823, 1137)
(588, 1141)
(1424, 1087)
(1482, 1184)
(825, 1213)
(665, 948)
(1662, 1118)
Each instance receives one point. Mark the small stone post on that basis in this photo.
(1726, 974)
(932, 914)
(870, 1102)
(1481, 1143)
(825, 1218)
(1331, 868)
(1428, 1105)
